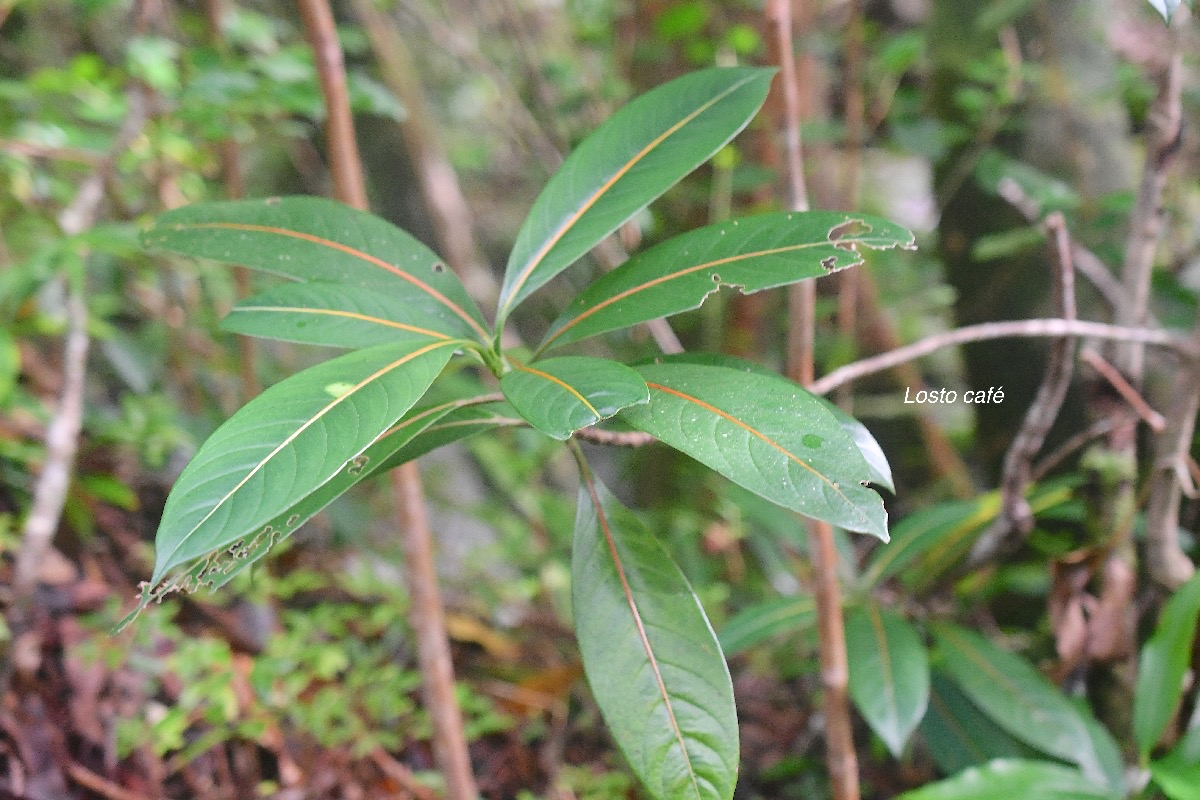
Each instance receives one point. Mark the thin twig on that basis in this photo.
(1131, 395)
(17, 147)
(616, 438)
(1015, 513)
(1001, 330)
(62, 441)
(840, 756)
(62, 433)
(345, 165)
(1060, 453)
(426, 614)
(1087, 263)
(1165, 559)
(1146, 223)
(99, 784)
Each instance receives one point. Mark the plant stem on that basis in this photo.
(1000, 330)
(840, 758)
(426, 615)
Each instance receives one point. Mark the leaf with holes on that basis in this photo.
(752, 254)
(313, 239)
(561, 395)
(889, 673)
(366, 464)
(285, 444)
(651, 658)
(635, 156)
(334, 315)
(765, 434)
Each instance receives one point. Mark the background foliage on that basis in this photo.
(1042, 671)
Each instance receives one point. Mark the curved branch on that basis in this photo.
(1001, 330)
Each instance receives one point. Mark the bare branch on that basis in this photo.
(440, 189)
(1015, 512)
(345, 165)
(616, 438)
(1001, 330)
(426, 614)
(1145, 226)
(840, 756)
(1125, 389)
(1165, 560)
(62, 433)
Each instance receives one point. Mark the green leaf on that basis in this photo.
(958, 735)
(881, 471)
(1014, 694)
(762, 621)
(927, 543)
(333, 314)
(1178, 772)
(1005, 779)
(287, 443)
(752, 254)
(314, 239)
(889, 673)
(10, 365)
(877, 463)
(947, 528)
(1163, 665)
(367, 464)
(650, 656)
(635, 156)
(561, 395)
(765, 434)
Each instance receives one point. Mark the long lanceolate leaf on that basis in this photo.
(765, 434)
(284, 445)
(1164, 665)
(889, 673)
(651, 658)
(1016, 696)
(313, 239)
(639, 153)
(752, 253)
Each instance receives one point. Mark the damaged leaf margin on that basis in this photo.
(748, 254)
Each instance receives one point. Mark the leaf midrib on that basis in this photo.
(672, 276)
(602, 520)
(348, 250)
(984, 666)
(885, 663)
(339, 313)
